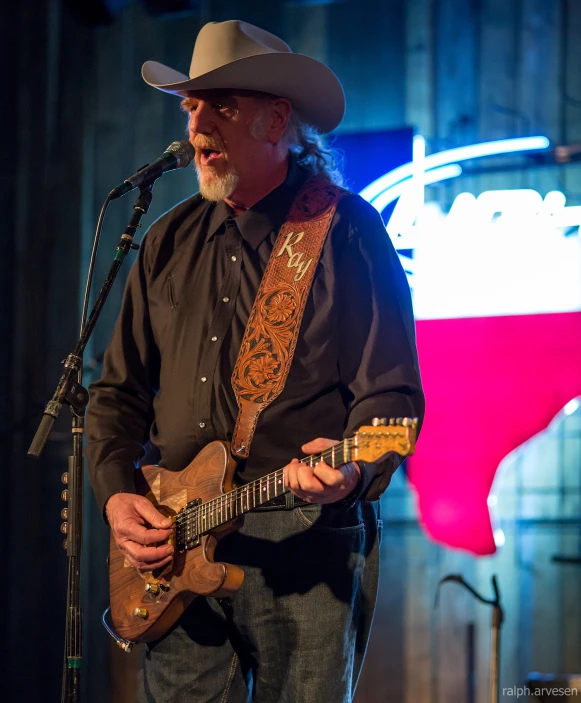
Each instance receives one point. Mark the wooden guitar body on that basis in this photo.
(204, 506)
(145, 605)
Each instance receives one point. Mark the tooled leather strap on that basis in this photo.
(271, 334)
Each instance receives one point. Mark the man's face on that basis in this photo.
(226, 128)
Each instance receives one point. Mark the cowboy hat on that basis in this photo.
(236, 54)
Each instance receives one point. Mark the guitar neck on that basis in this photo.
(252, 495)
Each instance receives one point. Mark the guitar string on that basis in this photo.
(188, 519)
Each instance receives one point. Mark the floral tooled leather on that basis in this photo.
(271, 334)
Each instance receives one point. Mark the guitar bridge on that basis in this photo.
(187, 532)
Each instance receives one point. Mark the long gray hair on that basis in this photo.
(312, 154)
(305, 141)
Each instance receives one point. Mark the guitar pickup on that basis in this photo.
(186, 526)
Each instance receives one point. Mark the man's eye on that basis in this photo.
(224, 109)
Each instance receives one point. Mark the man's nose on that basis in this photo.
(201, 120)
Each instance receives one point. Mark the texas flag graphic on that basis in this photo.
(496, 286)
(498, 312)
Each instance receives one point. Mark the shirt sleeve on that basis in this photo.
(378, 363)
(119, 414)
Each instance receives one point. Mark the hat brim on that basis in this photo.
(312, 87)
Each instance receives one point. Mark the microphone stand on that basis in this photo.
(70, 391)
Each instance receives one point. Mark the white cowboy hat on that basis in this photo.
(236, 54)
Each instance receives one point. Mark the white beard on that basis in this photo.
(214, 186)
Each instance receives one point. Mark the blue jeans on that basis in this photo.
(297, 629)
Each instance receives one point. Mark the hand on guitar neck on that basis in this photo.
(321, 483)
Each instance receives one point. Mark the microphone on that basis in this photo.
(177, 155)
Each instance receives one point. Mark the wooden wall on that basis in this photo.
(78, 119)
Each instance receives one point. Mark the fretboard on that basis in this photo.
(201, 518)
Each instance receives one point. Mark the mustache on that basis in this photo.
(200, 143)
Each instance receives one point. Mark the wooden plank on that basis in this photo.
(499, 115)
(455, 72)
(366, 50)
(419, 92)
(419, 617)
(455, 613)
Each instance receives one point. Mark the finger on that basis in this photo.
(318, 445)
(290, 475)
(146, 555)
(138, 533)
(142, 567)
(308, 482)
(328, 476)
(152, 515)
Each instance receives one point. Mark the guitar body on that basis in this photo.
(145, 605)
(204, 506)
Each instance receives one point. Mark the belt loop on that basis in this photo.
(290, 501)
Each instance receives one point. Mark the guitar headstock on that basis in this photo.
(372, 442)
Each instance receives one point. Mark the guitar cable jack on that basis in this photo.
(125, 645)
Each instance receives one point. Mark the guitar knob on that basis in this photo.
(377, 421)
(65, 528)
(152, 588)
(141, 613)
(65, 477)
(64, 513)
(65, 495)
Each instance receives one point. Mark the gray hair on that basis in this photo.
(306, 142)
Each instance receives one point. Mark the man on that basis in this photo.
(297, 629)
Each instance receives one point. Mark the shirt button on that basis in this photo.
(234, 258)
(202, 425)
(214, 339)
(203, 379)
(226, 300)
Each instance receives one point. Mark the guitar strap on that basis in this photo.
(272, 331)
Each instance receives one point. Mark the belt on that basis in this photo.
(288, 501)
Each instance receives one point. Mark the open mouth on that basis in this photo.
(209, 155)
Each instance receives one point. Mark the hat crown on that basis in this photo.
(221, 43)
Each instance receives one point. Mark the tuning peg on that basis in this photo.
(398, 421)
(65, 477)
(64, 513)
(377, 421)
(65, 528)
(65, 543)
(65, 495)
(391, 421)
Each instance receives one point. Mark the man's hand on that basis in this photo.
(320, 484)
(136, 523)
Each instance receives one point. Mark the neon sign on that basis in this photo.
(515, 238)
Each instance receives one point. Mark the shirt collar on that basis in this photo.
(268, 214)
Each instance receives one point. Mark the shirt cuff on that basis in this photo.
(112, 478)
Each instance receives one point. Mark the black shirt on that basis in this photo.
(166, 373)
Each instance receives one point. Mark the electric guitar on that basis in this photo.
(203, 506)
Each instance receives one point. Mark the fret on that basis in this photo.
(333, 457)
(267, 489)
